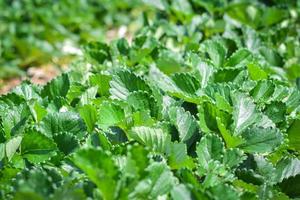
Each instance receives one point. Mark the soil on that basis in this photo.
(37, 75)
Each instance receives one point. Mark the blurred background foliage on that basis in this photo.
(34, 32)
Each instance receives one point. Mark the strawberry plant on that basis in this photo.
(181, 112)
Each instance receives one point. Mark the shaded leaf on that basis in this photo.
(100, 168)
(286, 168)
(66, 142)
(261, 140)
(37, 147)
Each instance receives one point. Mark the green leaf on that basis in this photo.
(159, 4)
(293, 100)
(224, 192)
(37, 181)
(99, 140)
(225, 75)
(276, 111)
(97, 51)
(163, 81)
(12, 146)
(207, 117)
(211, 6)
(203, 72)
(14, 119)
(186, 82)
(219, 89)
(2, 151)
(69, 191)
(271, 56)
(202, 102)
(100, 168)
(263, 91)
(155, 138)
(230, 139)
(168, 85)
(222, 103)
(143, 46)
(245, 13)
(62, 122)
(125, 82)
(140, 155)
(215, 174)
(265, 168)
(27, 195)
(102, 81)
(211, 119)
(178, 157)
(209, 148)
(66, 142)
(261, 140)
(123, 46)
(206, 72)
(27, 91)
(273, 15)
(169, 62)
(142, 118)
(89, 115)
(256, 72)
(58, 87)
(159, 181)
(291, 187)
(37, 111)
(76, 89)
(280, 93)
(286, 168)
(294, 136)
(233, 157)
(10, 100)
(88, 95)
(143, 101)
(185, 123)
(245, 112)
(240, 58)
(180, 192)
(216, 52)
(110, 114)
(37, 147)
(182, 7)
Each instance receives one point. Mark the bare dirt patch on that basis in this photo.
(37, 75)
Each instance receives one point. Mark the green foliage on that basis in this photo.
(180, 112)
(33, 32)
